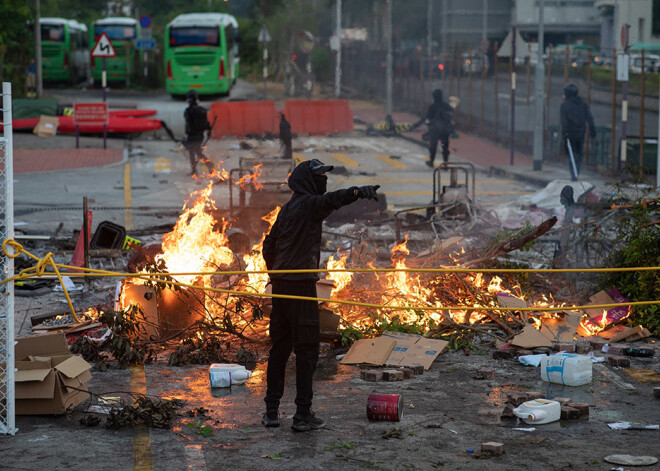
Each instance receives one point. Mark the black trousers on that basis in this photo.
(577, 143)
(195, 154)
(433, 146)
(294, 326)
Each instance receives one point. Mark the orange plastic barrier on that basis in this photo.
(240, 118)
(319, 117)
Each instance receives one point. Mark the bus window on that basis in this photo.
(194, 37)
(115, 32)
(52, 33)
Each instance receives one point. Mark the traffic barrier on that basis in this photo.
(240, 118)
(319, 117)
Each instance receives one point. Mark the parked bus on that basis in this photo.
(64, 50)
(122, 33)
(201, 53)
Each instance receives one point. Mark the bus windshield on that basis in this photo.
(115, 32)
(194, 36)
(52, 33)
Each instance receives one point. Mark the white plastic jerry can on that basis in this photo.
(538, 411)
(223, 375)
(566, 368)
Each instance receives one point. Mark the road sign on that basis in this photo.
(624, 36)
(145, 21)
(264, 35)
(622, 67)
(145, 44)
(90, 113)
(103, 47)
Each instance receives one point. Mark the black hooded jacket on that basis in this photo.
(574, 115)
(439, 113)
(294, 241)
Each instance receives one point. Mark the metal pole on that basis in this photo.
(484, 22)
(613, 133)
(388, 71)
(37, 48)
(338, 56)
(445, 38)
(566, 49)
(103, 80)
(587, 144)
(8, 294)
(624, 118)
(657, 162)
(429, 28)
(483, 92)
(539, 86)
(265, 69)
(641, 119)
(495, 95)
(513, 96)
(85, 233)
(469, 106)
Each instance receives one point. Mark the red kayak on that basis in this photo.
(20, 124)
(116, 125)
(132, 113)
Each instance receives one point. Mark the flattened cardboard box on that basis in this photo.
(49, 379)
(47, 126)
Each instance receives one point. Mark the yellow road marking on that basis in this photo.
(162, 165)
(128, 199)
(390, 161)
(408, 193)
(142, 460)
(415, 180)
(344, 159)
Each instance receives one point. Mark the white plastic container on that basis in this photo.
(538, 411)
(223, 375)
(566, 368)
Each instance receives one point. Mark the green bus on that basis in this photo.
(201, 53)
(122, 32)
(64, 50)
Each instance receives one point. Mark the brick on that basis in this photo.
(516, 398)
(619, 361)
(522, 353)
(597, 342)
(485, 373)
(507, 413)
(371, 375)
(417, 369)
(565, 347)
(542, 351)
(563, 400)
(582, 407)
(392, 375)
(494, 448)
(531, 395)
(582, 348)
(656, 393)
(616, 349)
(504, 354)
(407, 373)
(569, 413)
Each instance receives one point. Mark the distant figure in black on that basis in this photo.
(285, 137)
(575, 115)
(440, 126)
(196, 125)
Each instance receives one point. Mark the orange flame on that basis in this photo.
(252, 178)
(254, 260)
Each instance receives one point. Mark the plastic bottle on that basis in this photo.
(223, 375)
(566, 368)
(538, 411)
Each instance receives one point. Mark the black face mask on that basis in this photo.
(321, 182)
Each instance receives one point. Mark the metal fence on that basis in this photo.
(7, 411)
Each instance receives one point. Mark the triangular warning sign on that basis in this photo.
(103, 47)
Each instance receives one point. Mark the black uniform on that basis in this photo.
(439, 117)
(285, 137)
(294, 242)
(196, 125)
(575, 115)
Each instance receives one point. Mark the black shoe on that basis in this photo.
(271, 418)
(307, 422)
(429, 163)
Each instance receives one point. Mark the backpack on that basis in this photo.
(197, 121)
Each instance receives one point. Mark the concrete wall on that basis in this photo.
(562, 16)
(616, 13)
(461, 21)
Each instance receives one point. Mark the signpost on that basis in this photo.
(622, 67)
(145, 42)
(264, 38)
(90, 113)
(103, 48)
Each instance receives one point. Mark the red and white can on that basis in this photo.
(385, 407)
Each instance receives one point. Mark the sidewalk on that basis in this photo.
(486, 155)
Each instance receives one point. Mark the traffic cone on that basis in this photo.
(78, 259)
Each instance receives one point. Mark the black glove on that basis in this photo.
(368, 192)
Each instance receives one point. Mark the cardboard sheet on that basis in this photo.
(369, 351)
(561, 329)
(531, 338)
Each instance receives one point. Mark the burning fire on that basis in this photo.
(255, 262)
(340, 279)
(252, 178)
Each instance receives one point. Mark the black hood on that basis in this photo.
(571, 90)
(437, 95)
(302, 180)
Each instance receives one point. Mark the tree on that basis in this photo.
(16, 25)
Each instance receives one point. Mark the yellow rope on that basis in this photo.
(40, 270)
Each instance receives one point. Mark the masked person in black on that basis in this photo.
(285, 137)
(575, 115)
(294, 242)
(440, 126)
(196, 125)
